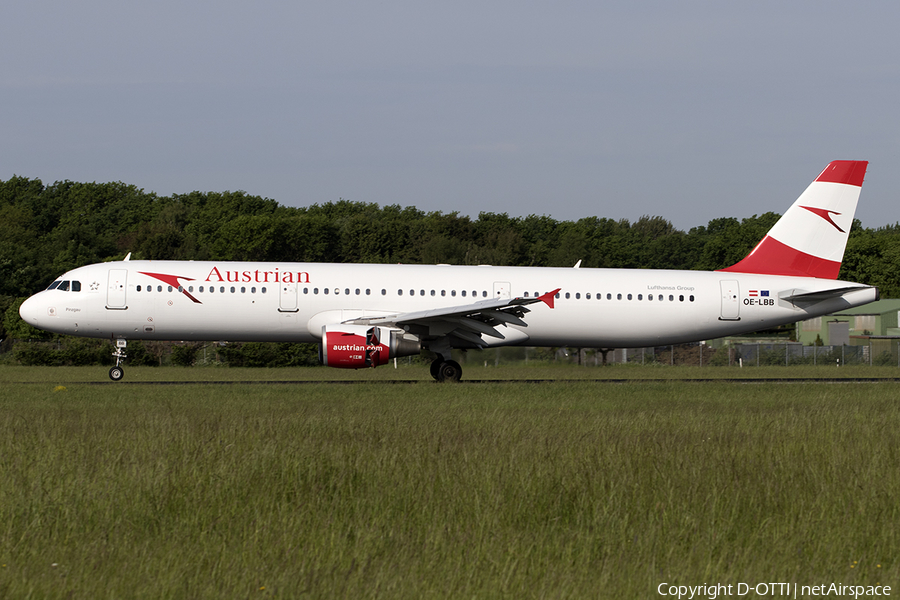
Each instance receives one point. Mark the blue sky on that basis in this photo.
(689, 110)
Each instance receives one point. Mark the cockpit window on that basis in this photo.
(76, 286)
(54, 285)
(64, 286)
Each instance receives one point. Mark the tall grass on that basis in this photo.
(568, 490)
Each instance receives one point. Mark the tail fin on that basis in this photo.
(809, 240)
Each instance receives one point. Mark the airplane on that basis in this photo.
(364, 315)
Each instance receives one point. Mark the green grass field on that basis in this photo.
(419, 372)
(552, 490)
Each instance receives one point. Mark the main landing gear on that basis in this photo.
(446, 370)
(117, 372)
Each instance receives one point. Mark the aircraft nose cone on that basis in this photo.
(30, 311)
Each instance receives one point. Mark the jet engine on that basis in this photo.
(361, 346)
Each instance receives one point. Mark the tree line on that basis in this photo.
(46, 230)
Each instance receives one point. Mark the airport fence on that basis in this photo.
(82, 351)
(876, 353)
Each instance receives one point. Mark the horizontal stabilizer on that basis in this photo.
(803, 297)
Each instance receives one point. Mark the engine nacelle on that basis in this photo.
(361, 346)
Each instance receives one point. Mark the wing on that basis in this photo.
(466, 323)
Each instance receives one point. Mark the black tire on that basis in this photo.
(436, 368)
(449, 371)
(116, 373)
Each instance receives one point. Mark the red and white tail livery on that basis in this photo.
(809, 240)
(363, 315)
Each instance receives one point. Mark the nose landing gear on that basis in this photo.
(116, 373)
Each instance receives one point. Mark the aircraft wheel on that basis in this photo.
(436, 368)
(449, 371)
(116, 373)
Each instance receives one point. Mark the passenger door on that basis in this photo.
(731, 301)
(115, 291)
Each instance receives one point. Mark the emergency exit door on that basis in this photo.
(288, 300)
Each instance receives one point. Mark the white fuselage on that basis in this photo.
(607, 308)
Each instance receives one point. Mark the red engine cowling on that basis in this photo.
(361, 346)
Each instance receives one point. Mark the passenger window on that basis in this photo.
(412, 292)
(640, 297)
(609, 297)
(170, 288)
(421, 292)
(347, 291)
(526, 294)
(453, 293)
(671, 297)
(305, 290)
(463, 293)
(191, 288)
(692, 298)
(232, 289)
(578, 295)
(567, 295)
(262, 290)
(138, 288)
(159, 288)
(325, 291)
(432, 292)
(222, 289)
(200, 289)
(650, 297)
(484, 294)
(619, 296)
(243, 290)
(629, 296)
(253, 290)
(681, 298)
(587, 296)
(399, 292)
